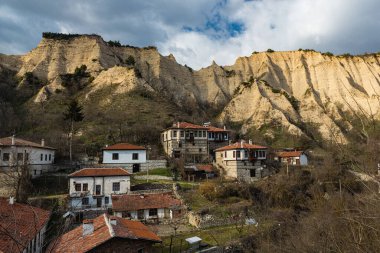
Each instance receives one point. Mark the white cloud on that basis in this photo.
(327, 25)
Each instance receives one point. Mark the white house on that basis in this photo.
(23, 227)
(242, 161)
(15, 151)
(292, 157)
(128, 156)
(91, 188)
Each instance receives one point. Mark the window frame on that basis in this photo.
(153, 212)
(6, 157)
(116, 186)
(115, 156)
(76, 187)
(135, 156)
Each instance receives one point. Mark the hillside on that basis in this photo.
(125, 89)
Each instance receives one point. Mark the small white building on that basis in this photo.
(91, 188)
(242, 161)
(16, 152)
(128, 156)
(148, 207)
(292, 157)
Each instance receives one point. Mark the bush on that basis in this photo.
(130, 60)
(270, 50)
(328, 54)
(208, 190)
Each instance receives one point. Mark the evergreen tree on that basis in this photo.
(73, 114)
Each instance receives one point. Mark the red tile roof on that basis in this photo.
(74, 241)
(124, 146)
(239, 145)
(134, 202)
(100, 172)
(205, 167)
(284, 154)
(7, 141)
(216, 129)
(21, 222)
(186, 125)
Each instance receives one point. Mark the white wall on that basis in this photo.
(175, 134)
(303, 159)
(228, 155)
(106, 189)
(125, 156)
(34, 155)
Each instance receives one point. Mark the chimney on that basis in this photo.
(250, 141)
(88, 227)
(43, 142)
(13, 140)
(178, 124)
(11, 200)
(224, 127)
(241, 143)
(113, 221)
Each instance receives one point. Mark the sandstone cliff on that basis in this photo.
(293, 88)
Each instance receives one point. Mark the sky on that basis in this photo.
(198, 32)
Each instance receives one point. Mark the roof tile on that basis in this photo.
(100, 172)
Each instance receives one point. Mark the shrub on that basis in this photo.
(328, 54)
(270, 50)
(114, 43)
(208, 190)
(230, 73)
(130, 60)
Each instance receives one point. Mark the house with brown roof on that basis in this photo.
(147, 207)
(15, 152)
(242, 161)
(192, 141)
(90, 189)
(292, 157)
(106, 234)
(22, 227)
(129, 156)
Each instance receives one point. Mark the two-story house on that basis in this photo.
(90, 189)
(193, 142)
(125, 155)
(17, 152)
(242, 161)
(22, 227)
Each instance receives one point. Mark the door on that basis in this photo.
(136, 168)
(98, 189)
(140, 214)
(99, 202)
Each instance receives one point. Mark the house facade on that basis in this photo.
(242, 161)
(129, 156)
(23, 227)
(192, 142)
(297, 158)
(154, 207)
(106, 234)
(90, 189)
(18, 152)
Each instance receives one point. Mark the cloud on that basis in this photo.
(199, 31)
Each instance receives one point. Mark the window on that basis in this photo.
(209, 135)
(246, 153)
(41, 157)
(200, 150)
(6, 157)
(204, 134)
(115, 156)
(85, 187)
(221, 155)
(26, 156)
(233, 154)
(252, 173)
(180, 144)
(49, 157)
(174, 133)
(35, 172)
(19, 156)
(195, 133)
(225, 154)
(116, 186)
(106, 200)
(238, 154)
(78, 187)
(45, 157)
(182, 133)
(85, 201)
(153, 212)
(135, 156)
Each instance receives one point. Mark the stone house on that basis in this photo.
(193, 142)
(23, 227)
(106, 234)
(242, 161)
(155, 207)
